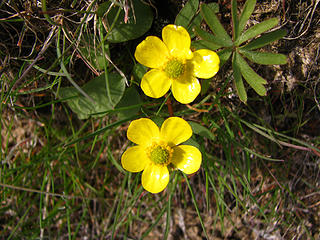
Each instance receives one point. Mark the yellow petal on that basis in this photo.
(155, 178)
(155, 83)
(151, 52)
(134, 159)
(175, 130)
(205, 63)
(186, 158)
(143, 131)
(186, 89)
(177, 40)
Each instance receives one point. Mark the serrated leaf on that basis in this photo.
(238, 81)
(252, 78)
(96, 89)
(224, 55)
(138, 21)
(235, 19)
(131, 101)
(256, 30)
(203, 44)
(209, 37)
(265, 39)
(186, 14)
(215, 25)
(201, 130)
(265, 58)
(245, 15)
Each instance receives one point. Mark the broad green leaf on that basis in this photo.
(265, 39)
(186, 14)
(256, 30)
(203, 44)
(201, 130)
(265, 58)
(138, 71)
(238, 81)
(235, 19)
(224, 55)
(130, 103)
(252, 78)
(215, 25)
(245, 15)
(96, 89)
(129, 27)
(217, 40)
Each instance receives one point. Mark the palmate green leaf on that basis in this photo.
(224, 55)
(235, 19)
(265, 39)
(256, 30)
(209, 37)
(252, 78)
(215, 25)
(265, 58)
(139, 20)
(245, 15)
(238, 82)
(187, 13)
(96, 89)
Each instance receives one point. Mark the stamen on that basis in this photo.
(174, 68)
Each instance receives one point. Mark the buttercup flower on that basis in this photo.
(157, 149)
(174, 65)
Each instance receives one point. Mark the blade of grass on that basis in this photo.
(195, 205)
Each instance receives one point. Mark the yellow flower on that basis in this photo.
(174, 65)
(159, 148)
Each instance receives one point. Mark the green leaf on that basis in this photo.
(253, 79)
(96, 89)
(201, 130)
(238, 81)
(265, 39)
(256, 30)
(139, 21)
(265, 58)
(210, 38)
(235, 19)
(196, 22)
(203, 44)
(214, 7)
(186, 14)
(215, 25)
(245, 15)
(205, 84)
(138, 71)
(224, 55)
(130, 103)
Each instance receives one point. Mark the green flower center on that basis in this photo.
(174, 68)
(160, 155)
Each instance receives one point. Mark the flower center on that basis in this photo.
(174, 68)
(160, 154)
